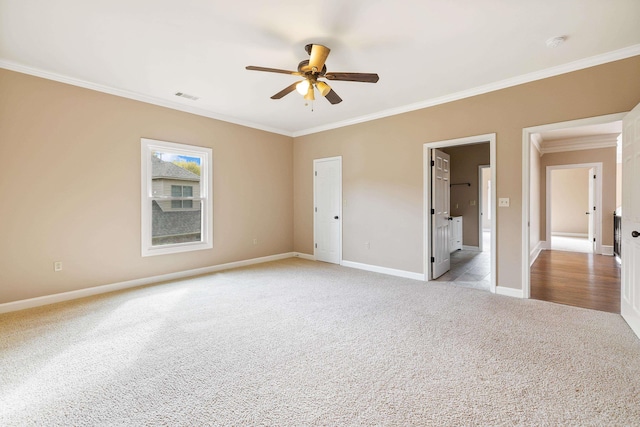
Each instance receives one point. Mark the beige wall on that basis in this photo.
(70, 187)
(570, 201)
(607, 156)
(534, 199)
(382, 162)
(76, 155)
(464, 198)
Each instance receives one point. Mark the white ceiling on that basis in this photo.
(425, 51)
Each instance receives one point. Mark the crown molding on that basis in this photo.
(12, 66)
(592, 61)
(591, 142)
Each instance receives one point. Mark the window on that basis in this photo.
(176, 198)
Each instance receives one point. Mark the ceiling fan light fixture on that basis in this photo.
(323, 88)
(303, 87)
(310, 96)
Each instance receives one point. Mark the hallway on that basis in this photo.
(577, 279)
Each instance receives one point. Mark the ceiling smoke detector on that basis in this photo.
(556, 41)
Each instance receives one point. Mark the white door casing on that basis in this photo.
(491, 138)
(630, 289)
(526, 181)
(441, 218)
(327, 206)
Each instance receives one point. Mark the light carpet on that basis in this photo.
(298, 343)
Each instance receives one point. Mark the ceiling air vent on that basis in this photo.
(186, 95)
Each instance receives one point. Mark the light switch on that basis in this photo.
(503, 202)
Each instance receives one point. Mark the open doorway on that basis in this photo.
(574, 207)
(569, 191)
(470, 265)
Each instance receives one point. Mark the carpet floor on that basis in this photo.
(301, 343)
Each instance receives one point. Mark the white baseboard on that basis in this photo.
(384, 270)
(510, 292)
(561, 234)
(304, 256)
(607, 250)
(96, 290)
(536, 251)
(471, 248)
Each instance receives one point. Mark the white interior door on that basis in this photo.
(327, 197)
(591, 209)
(630, 292)
(440, 218)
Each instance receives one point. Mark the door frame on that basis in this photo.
(480, 204)
(526, 176)
(598, 201)
(426, 192)
(315, 162)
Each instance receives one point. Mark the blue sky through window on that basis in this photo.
(171, 157)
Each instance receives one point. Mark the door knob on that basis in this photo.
(335, 217)
(635, 234)
(586, 213)
(450, 218)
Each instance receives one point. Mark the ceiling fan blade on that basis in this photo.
(318, 56)
(273, 70)
(287, 90)
(353, 77)
(333, 97)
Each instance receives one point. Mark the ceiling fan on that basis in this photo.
(311, 70)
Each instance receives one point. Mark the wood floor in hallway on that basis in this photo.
(577, 279)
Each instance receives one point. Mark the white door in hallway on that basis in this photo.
(440, 214)
(630, 292)
(591, 210)
(327, 201)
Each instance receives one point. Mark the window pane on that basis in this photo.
(187, 191)
(176, 191)
(176, 204)
(181, 226)
(187, 204)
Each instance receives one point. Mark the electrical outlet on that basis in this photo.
(472, 202)
(367, 245)
(255, 240)
(503, 202)
(57, 266)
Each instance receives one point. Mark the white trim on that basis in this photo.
(383, 270)
(598, 202)
(580, 64)
(592, 142)
(32, 71)
(426, 191)
(509, 292)
(315, 162)
(471, 248)
(607, 250)
(563, 234)
(480, 204)
(96, 290)
(536, 252)
(304, 256)
(526, 149)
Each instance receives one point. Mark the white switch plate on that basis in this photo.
(503, 202)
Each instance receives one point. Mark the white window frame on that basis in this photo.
(148, 146)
